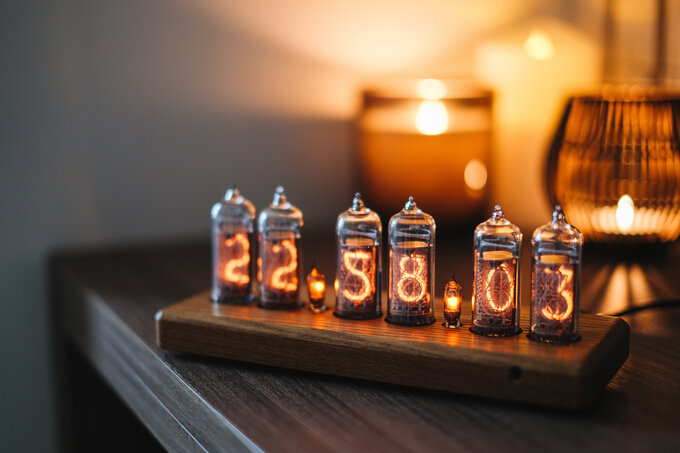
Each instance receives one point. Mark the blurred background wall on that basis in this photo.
(124, 121)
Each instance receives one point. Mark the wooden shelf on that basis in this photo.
(455, 360)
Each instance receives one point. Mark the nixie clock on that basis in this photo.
(411, 236)
(358, 233)
(497, 246)
(233, 221)
(280, 260)
(555, 274)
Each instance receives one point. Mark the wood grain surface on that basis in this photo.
(512, 368)
(105, 302)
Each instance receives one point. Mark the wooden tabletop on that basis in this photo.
(105, 302)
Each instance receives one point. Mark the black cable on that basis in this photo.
(659, 303)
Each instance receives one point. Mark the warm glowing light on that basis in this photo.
(625, 213)
(431, 89)
(475, 175)
(500, 288)
(336, 286)
(236, 269)
(277, 279)
(355, 261)
(539, 46)
(432, 118)
(316, 283)
(564, 288)
(416, 274)
(452, 303)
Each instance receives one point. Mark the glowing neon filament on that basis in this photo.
(277, 279)
(364, 291)
(231, 267)
(549, 311)
(500, 286)
(417, 275)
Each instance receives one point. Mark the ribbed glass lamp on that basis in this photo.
(614, 165)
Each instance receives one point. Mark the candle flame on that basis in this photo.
(625, 213)
(432, 118)
(233, 269)
(539, 46)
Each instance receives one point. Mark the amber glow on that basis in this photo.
(432, 118)
(352, 261)
(236, 269)
(539, 46)
(452, 303)
(564, 289)
(625, 213)
(500, 284)
(431, 89)
(475, 175)
(277, 279)
(316, 283)
(412, 286)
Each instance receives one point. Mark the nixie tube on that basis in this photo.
(495, 292)
(233, 226)
(358, 233)
(452, 302)
(280, 260)
(316, 286)
(411, 236)
(555, 276)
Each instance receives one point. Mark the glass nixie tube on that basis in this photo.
(555, 276)
(411, 267)
(280, 260)
(316, 286)
(359, 271)
(233, 226)
(495, 292)
(453, 298)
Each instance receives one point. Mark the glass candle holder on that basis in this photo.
(280, 260)
(233, 226)
(495, 307)
(452, 301)
(614, 165)
(316, 285)
(555, 276)
(446, 122)
(411, 283)
(358, 232)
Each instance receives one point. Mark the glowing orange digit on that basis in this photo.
(364, 290)
(236, 269)
(277, 279)
(500, 288)
(417, 276)
(564, 289)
